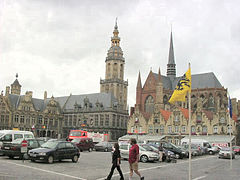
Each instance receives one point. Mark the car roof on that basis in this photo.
(15, 131)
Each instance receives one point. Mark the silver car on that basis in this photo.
(144, 154)
(226, 153)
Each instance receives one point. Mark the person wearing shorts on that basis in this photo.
(133, 159)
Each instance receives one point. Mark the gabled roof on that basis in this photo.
(165, 114)
(167, 84)
(185, 112)
(209, 114)
(234, 117)
(107, 100)
(15, 100)
(200, 81)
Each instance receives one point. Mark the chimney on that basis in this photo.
(45, 95)
(7, 91)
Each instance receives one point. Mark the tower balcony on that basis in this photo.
(115, 80)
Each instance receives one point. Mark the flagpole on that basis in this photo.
(190, 133)
(230, 130)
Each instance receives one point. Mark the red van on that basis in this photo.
(84, 144)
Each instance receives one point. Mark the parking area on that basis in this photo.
(96, 166)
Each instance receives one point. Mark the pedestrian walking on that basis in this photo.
(134, 158)
(160, 152)
(115, 162)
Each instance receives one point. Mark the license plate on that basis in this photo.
(7, 147)
(225, 154)
(33, 155)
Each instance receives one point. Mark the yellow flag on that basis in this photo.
(183, 86)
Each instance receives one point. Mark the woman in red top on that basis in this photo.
(133, 158)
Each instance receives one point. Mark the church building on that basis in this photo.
(154, 115)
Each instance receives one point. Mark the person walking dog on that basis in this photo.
(115, 162)
(133, 159)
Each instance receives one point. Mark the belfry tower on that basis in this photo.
(114, 75)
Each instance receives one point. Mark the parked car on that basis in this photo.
(103, 146)
(145, 155)
(195, 150)
(150, 147)
(13, 149)
(171, 147)
(11, 135)
(185, 151)
(236, 149)
(55, 150)
(84, 144)
(226, 153)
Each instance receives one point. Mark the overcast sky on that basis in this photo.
(60, 45)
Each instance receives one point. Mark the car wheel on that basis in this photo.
(90, 149)
(75, 159)
(11, 157)
(106, 149)
(50, 159)
(177, 156)
(210, 152)
(32, 160)
(144, 158)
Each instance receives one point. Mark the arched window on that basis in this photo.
(165, 99)
(149, 104)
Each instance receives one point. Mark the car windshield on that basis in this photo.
(17, 141)
(225, 149)
(75, 133)
(76, 140)
(102, 144)
(1, 134)
(50, 144)
(148, 148)
(28, 136)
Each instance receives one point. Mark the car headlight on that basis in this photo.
(42, 154)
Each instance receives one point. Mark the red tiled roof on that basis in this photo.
(165, 114)
(209, 114)
(234, 117)
(185, 112)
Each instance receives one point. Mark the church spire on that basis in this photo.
(171, 66)
(139, 83)
(159, 75)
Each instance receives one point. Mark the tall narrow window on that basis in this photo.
(149, 104)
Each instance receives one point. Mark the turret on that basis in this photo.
(16, 87)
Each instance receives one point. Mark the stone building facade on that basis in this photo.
(104, 112)
(23, 112)
(153, 114)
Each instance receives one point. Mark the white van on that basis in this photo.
(200, 142)
(10, 135)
